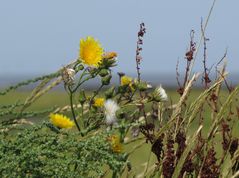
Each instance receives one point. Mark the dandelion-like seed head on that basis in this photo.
(91, 51)
(110, 112)
(161, 93)
(61, 121)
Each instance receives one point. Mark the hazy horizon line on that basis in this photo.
(155, 78)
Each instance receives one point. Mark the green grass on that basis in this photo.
(55, 98)
(60, 98)
(140, 156)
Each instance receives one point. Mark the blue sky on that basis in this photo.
(38, 37)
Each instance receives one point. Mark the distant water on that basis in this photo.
(165, 79)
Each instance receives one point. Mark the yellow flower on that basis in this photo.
(125, 80)
(99, 102)
(61, 121)
(109, 55)
(91, 51)
(116, 146)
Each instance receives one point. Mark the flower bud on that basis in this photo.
(103, 72)
(80, 67)
(109, 55)
(82, 97)
(142, 86)
(110, 93)
(92, 70)
(111, 62)
(107, 63)
(122, 89)
(106, 80)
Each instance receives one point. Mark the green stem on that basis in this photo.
(95, 94)
(86, 79)
(72, 109)
(82, 115)
(82, 75)
(80, 83)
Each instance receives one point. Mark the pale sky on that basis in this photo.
(38, 37)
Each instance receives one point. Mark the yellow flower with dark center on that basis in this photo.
(125, 80)
(91, 51)
(116, 146)
(61, 121)
(99, 102)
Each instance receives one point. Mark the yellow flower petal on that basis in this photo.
(125, 80)
(61, 121)
(116, 146)
(99, 102)
(91, 51)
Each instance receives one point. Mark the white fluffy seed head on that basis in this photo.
(162, 93)
(149, 86)
(110, 112)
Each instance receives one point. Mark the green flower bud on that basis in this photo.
(80, 67)
(142, 86)
(156, 98)
(82, 97)
(122, 89)
(106, 80)
(103, 72)
(92, 71)
(111, 62)
(110, 92)
(107, 63)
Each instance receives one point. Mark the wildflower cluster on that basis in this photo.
(95, 110)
